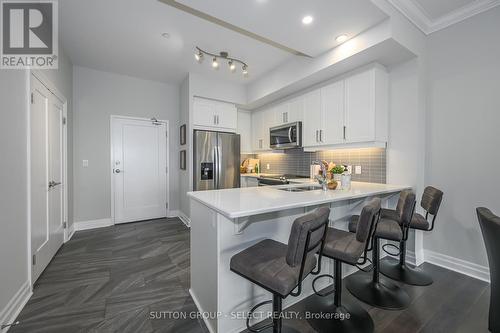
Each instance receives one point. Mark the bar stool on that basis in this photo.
(490, 227)
(349, 248)
(400, 270)
(371, 290)
(280, 268)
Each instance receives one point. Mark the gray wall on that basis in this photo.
(97, 96)
(13, 173)
(463, 135)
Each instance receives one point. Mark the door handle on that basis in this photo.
(290, 134)
(215, 120)
(118, 170)
(320, 135)
(344, 132)
(53, 184)
(317, 136)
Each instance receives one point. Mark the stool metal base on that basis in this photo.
(404, 273)
(324, 316)
(384, 295)
(284, 329)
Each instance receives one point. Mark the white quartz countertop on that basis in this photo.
(248, 201)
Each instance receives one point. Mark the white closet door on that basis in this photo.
(47, 233)
(139, 170)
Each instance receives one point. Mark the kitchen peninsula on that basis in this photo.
(224, 222)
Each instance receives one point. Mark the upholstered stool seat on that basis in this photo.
(490, 228)
(280, 268)
(369, 289)
(419, 222)
(398, 269)
(265, 263)
(343, 245)
(386, 228)
(349, 248)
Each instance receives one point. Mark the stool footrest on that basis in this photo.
(264, 327)
(391, 253)
(319, 277)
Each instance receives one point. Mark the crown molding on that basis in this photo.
(418, 16)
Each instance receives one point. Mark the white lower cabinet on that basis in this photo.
(248, 181)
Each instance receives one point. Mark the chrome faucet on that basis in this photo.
(322, 180)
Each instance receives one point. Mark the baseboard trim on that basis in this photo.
(93, 224)
(197, 303)
(186, 220)
(71, 232)
(15, 305)
(458, 265)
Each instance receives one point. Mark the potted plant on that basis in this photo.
(337, 171)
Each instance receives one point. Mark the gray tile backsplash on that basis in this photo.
(297, 162)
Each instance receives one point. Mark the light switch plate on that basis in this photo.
(358, 169)
(85, 163)
(268, 166)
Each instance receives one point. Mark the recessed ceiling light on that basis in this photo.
(307, 19)
(165, 35)
(341, 38)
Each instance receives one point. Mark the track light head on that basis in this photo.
(215, 64)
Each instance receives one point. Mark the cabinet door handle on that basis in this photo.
(320, 135)
(317, 136)
(215, 120)
(344, 132)
(286, 117)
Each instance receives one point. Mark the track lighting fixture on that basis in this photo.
(199, 54)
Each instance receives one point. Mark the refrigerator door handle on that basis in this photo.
(216, 168)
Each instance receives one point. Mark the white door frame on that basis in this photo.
(111, 161)
(37, 74)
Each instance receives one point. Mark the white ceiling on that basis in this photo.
(433, 15)
(124, 36)
(281, 20)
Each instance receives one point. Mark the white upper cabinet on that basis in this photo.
(312, 119)
(348, 112)
(324, 116)
(213, 114)
(332, 107)
(245, 131)
(289, 112)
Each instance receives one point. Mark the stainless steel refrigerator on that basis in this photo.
(216, 160)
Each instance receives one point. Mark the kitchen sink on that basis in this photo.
(300, 188)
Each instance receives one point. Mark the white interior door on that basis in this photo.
(139, 158)
(46, 128)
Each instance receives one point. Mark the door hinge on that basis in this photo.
(32, 98)
(166, 134)
(65, 225)
(166, 205)
(33, 259)
(64, 121)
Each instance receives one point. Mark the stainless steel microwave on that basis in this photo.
(286, 136)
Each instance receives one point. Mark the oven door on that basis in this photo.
(286, 136)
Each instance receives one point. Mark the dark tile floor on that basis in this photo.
(111, 279)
